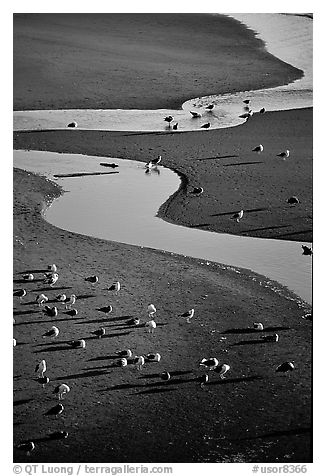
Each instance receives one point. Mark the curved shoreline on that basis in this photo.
(236, 413)
(215, 291)
(216, 39)
(276, 180)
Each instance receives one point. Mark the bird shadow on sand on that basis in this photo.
(107, 336)
(276, 227)
(218, 157)
(243, 163)
(54, 288)
(249, 342)
(90, 373)
(225, 381)
(51, 437)
(151, 385)
(255, 331)
(250, 210)
(22, 401)
(57, 348)
(47, 321)
(85, 296)
(106, 357)
(99, 321)
(31, 271)
(20, 313)
(199, 225)
(155, 390)
(26, 281)
(172, 373)
(61, 342)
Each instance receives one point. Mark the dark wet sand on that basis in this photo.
(121, 415)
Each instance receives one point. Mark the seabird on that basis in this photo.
(246, 101)
(270, 338)
(28, 277)
(195, 114)
(122, 362)
(124, 353)
(41, 299)
(53, 332)
(106, 309)
(135, 321)
(306, 250)
(157, 160)
(61, 390)
(308, 317)
(197, 190)
(115, 287)
(210, 363)
(175, 126)
(71, 301)
(99, 332)
(14, 342)
(188, 314)
(293, 200)
(258, 326)
(165, 376)
(222, 369)
(258, 149)
(151, 326)
(52, 279)
(50, 311)
(20, 293)
(153, 357)
(29, 446)
(262, 110)
(41, 368)
(237, 216)
(151, 310)
(92, 279)
(206, 126)
(203, 379)
(285, 367)
(246, 115)
(53, 268)
(43, 381)
(72, 124)
(139, 361)
(72, 312)
(168, 119)
(61, 298)
(77, 344)
(210, 107)
(284, 154)
(56, 410)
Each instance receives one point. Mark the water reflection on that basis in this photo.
(122, 207)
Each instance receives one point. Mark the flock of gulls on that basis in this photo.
(197, 191)
(125, 357)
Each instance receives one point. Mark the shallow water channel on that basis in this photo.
(122, 207)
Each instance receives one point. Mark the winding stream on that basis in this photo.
(132, 217)
(117, 207)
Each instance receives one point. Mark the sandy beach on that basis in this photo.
(124, 415)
